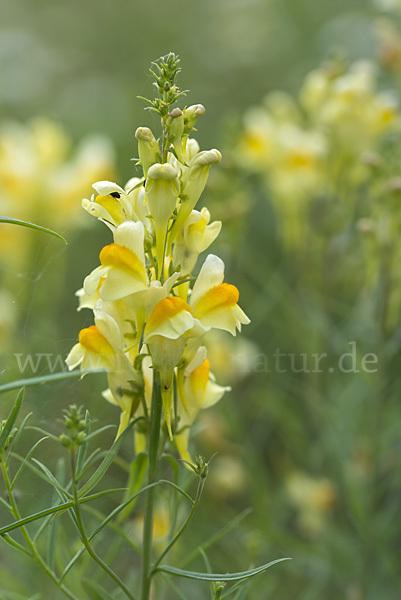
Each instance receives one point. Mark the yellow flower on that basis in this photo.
(195, 237)
(97, 345)
(197, 390)
(142, 303)
(123, 264)
(111, 205)
(213, 302)
(101, 346)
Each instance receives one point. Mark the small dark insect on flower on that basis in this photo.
(115, 194)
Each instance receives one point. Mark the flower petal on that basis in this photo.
(104, 188)
(75, 356)
(109, 329)
(91, 282)
(131, 235)
(211, 275)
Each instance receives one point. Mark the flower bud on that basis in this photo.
(191, 114)
(175, 124)
(162, 189)
(65, 440)
(194, 182)
(148, 148)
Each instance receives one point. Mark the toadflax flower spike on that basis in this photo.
(151, 314)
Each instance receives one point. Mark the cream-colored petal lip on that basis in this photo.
(75, 356)
(104, 188)
(91, 282)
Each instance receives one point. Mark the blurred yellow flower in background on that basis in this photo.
(311, 147)
(41, 177)
(313, 498)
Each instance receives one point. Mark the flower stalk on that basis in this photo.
(155, 420)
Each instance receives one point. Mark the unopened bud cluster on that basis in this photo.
(75, 425)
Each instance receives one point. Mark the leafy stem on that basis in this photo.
(31, 545)
(83, 534)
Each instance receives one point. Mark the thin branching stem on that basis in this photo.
(31, 545)
(185, 524)
(84, 536)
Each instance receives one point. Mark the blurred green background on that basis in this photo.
(316, 456)
(85, 62)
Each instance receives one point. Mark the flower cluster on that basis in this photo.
(150, 312)
(41, 177)
(37, 169)
(316, 145)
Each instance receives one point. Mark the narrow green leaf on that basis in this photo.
(107, 461)
(17, 436)
(241, 588)
(54, 526)
(13, 385)
(178, 489)
(208, 568)
(88, 462)
(44, 432)
(26, 459)
(114, 513)
(9, 540)
(32, 226)
(218, 576)
(217, 536)
(49, 519)
(103, 524)
(6, 504)
(95, 433)
(55, 509)
(12, 417)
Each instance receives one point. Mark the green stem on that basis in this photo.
(155, 420)
(185, 523)
(29, 542)
(164, 141)
(84, 536)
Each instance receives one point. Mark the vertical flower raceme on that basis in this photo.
(152, 312)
